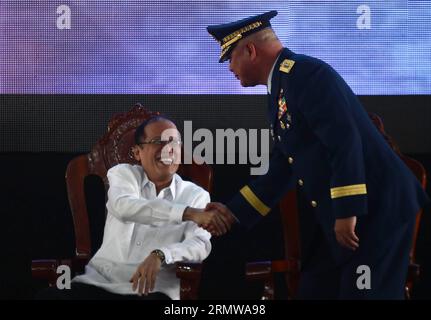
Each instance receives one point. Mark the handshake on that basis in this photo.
(216, 218)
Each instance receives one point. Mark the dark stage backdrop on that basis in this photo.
(72, 123)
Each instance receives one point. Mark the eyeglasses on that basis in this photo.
(159, 142)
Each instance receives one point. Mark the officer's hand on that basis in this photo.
(222, 221)
(146, 274)
(215, 226)
(345, 232)
(207, 219)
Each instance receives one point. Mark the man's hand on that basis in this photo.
(216, 219)
(222, 220)
(345, 232)
(204, 219)
(146, 274)
(199, 216)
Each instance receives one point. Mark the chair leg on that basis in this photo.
(189, 289)
(292, 280)
(407, 293)
(268, 289)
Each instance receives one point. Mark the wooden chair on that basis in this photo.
(114, 148)
(420, 173)
(290, 266)
(414, 269)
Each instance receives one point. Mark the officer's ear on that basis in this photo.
(251, 51)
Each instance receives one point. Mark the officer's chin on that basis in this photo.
(243, 83)
(247, 84)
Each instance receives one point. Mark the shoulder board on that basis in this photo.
(286, 65)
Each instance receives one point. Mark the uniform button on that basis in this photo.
(290, 160)
(287, 126)
(300, 182)
(314, 204)
(279, 138)
(138, 243)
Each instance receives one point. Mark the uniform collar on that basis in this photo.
(268, 86)
(273, 91)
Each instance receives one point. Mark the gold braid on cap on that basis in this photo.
(241, 31)
(231, 41)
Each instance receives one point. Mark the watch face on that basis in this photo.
(159, 254)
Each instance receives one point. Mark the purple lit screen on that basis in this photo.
(162, 47)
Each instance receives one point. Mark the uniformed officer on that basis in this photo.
(361, 198)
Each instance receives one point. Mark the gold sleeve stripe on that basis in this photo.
(345, 191)
(254, 201)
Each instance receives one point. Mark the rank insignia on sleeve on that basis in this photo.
(286, 65)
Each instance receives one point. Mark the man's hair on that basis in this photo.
(140, 131)
(267, 34)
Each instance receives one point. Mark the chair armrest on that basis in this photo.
(287, 265)
(189, 270)
(190, 277)
(260, 270)
(46, 269)
(264, 271)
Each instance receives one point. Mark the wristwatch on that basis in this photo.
(159, 253)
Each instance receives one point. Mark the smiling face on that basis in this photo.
(150, 155)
